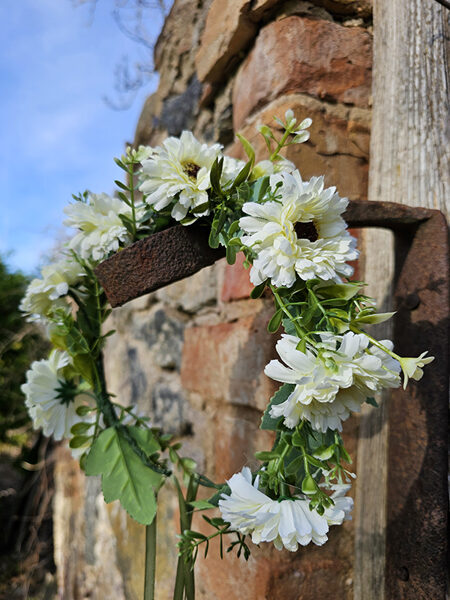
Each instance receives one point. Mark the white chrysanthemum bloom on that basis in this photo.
(332, 381)
(100, 226)
(42, 390)
(286, 523)
(179, 173)
(273, 232)
(44, 295)
(412, 367)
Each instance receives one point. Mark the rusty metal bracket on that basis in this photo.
(416, 552)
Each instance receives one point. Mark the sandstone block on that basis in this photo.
(297, 54)
(228, 30)
(225, 362)
(338, 147)
(236, 282)
(193, 293)
(360, 8)
(236, 438)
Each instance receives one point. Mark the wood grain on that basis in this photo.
(409, 164)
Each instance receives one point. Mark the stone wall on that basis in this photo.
(192, 355)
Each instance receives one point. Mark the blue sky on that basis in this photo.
(58, 136)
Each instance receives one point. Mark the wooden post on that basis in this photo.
(409, 164)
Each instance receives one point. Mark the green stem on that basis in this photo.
(300, 331)
(376, 342)
(131, 188)
(286, 134)
(150, 560)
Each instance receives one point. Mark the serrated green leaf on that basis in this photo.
(280, 396)
(124, 475)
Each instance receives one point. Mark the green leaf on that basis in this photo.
(120, 164)
(213, 240)
(372, 402)
(309, 486)
(249, 150)
(80, 428)
(275, 321)
(121, 185)
(298, 440)
(83, 410)
(82, 364)
(78, 441)
(258, 291)
(201, 504)
(324, 453)
(374, 319)
(231, 254)
(278, 398)
(124, 198)
(201, 208)
(215, 175)
(265, 455)
(259, 188)
(294, 466)
(124, 475)
(339, 290)
(233, 228)
(243, 174)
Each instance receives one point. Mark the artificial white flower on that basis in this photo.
(178, 173)
(100, 226)
(134, 155)
(332, 380)
(286, 523)
(47, 408)
(268, 167)
(45, 295)
(273, 232)
(412, 367)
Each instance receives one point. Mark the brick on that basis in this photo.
(338, 147)
(296, 54)
(225, 362)
(236, 281)
(228, 30)
(307, 574)
(236, 438)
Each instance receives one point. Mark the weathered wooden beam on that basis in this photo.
(409, 160)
